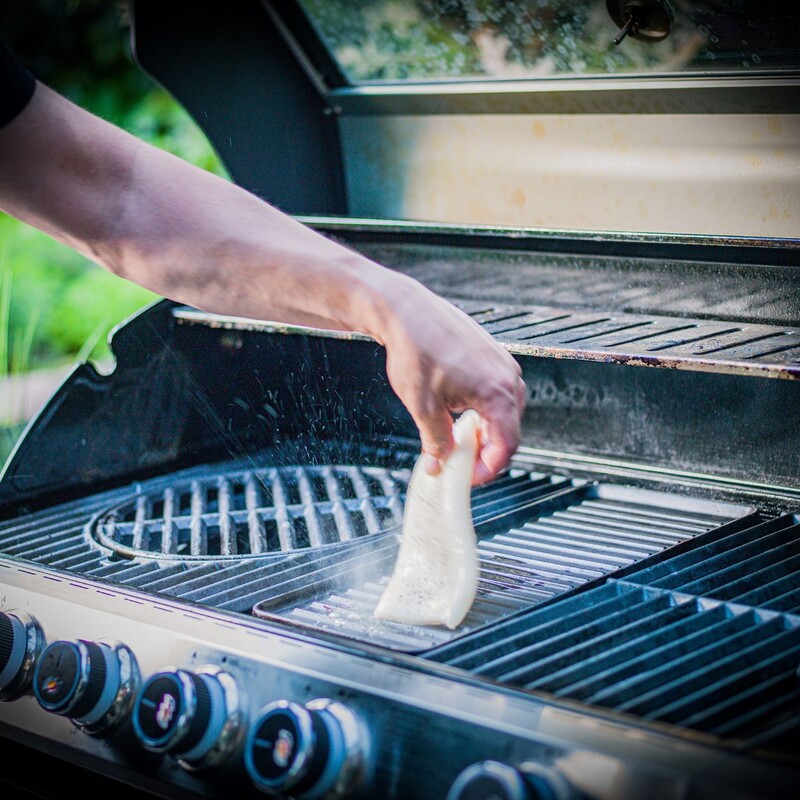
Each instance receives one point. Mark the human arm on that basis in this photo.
(186, 234)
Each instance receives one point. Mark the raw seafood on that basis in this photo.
(436, 573)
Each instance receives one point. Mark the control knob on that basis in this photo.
(197, 717)
(21, 643)
(308, 752)
(91, 683)
(492, 780)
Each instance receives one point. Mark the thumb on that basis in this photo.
(436, 435)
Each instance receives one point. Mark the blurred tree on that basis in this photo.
(81, 49)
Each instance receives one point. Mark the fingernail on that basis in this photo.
(432, 464)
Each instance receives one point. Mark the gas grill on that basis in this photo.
(192, 546)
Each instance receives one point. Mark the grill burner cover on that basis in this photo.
(258, 512)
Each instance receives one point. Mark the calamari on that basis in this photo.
(435, 576)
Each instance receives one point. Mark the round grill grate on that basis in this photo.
(258, 512)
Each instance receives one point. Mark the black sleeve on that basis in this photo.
(16, 86)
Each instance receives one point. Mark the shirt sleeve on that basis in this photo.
(16, 86)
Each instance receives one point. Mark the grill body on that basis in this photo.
(225, 507)
(635, 627)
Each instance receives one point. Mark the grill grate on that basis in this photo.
(562, 535)
(757, 567)
(256, 512)
(701, 640)
(61, 536)
(512, 513)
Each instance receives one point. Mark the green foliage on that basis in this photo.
(15, 349)
(80, 49)
(55, 306)
(89, 307)
(68, 297)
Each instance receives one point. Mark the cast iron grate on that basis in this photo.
(274, 510)
(506, 513)
(758, 567)
(61, 536)
(702, 640)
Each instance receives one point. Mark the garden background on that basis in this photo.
(56, 307)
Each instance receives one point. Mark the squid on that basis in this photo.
(435, 575)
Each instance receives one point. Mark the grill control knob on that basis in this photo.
(195, 717)
(21, 643)
(91, 683)
(491, 780)
(309, 752)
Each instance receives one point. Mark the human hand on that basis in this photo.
(441, 362)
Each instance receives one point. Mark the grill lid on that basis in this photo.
(387, 149)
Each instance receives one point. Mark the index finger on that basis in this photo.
(499, 440)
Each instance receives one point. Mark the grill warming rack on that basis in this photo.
(643, 339)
